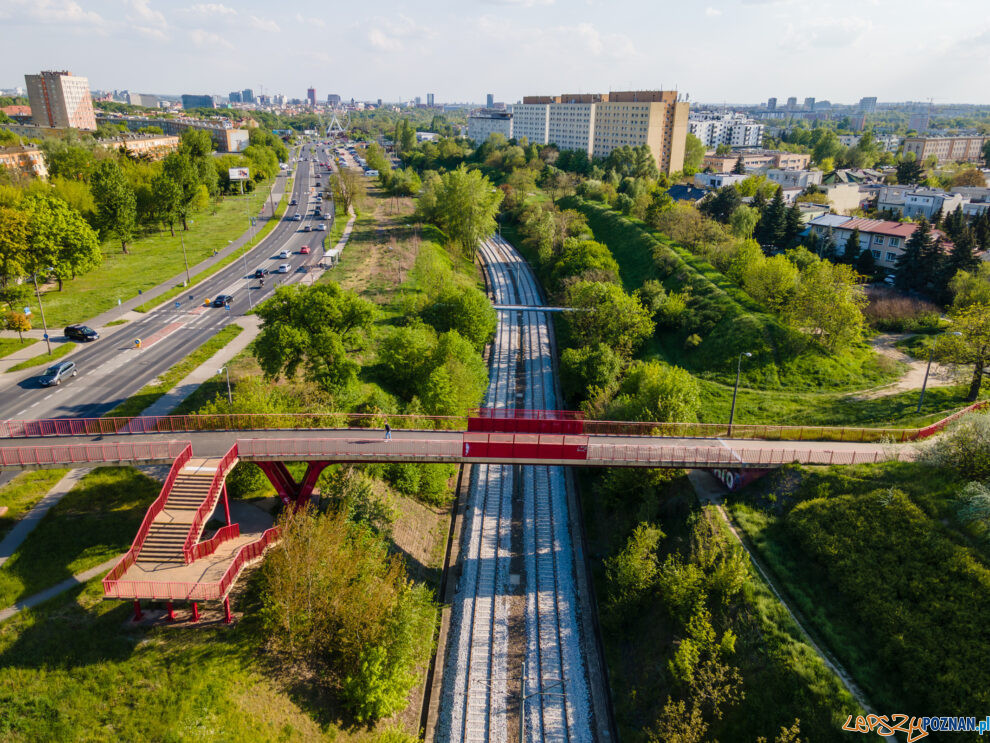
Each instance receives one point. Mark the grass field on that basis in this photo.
(23, 492)
(94, 521)
(148, 394)
(151, 259)
(12, 345)
(58, 351)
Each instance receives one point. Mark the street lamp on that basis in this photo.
(931, 355)
(230, 397)
(41, 307)
(735, 390)
(184, 258)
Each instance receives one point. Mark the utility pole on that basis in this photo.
(41, 307)
(184, 258)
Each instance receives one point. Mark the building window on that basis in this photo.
(876, 253)
(891, 257)
(878, 239)
(893, 242)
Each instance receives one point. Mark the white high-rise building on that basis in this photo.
(60, 100)
(733, 129)
(485, 122)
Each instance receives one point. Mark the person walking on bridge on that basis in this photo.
(388, 432)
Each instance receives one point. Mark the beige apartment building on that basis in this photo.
(946, 149)
(60, 100)
(598, 123)
(755, 160)
(151, 146)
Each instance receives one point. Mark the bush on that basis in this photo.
(652, 391)
(890, 311)
(586, 368)
(464, 309)
(965, 448)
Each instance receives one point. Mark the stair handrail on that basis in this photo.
(207, 506)
(153, 510)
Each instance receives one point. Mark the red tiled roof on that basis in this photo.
(880, 227)
(16, 110)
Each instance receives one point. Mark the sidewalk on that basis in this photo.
(48, 593)
(168, 402)
(334, 253)
(32, 518)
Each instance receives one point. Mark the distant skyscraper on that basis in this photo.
(247, 95)
(311, 97)
(919, 122)
(792, 103)
(235, 97)
(418, 100)
(333, 99)
(809, 104)
(771, 104)
(868, 105)
(60, 100)
(197, 101)
(429, 100)
(490, 100)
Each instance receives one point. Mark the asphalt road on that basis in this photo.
(112, 369)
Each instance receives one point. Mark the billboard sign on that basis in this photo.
(238, 174)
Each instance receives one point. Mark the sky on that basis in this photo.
(733, 51)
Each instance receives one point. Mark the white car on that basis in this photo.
(284, 268)
(321, 227)
(284, 254)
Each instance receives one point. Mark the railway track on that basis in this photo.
(479, 689)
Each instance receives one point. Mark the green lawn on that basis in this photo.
(58, 351)
(196, 278)
(95, 520)
(12, 345)
(148, 394)
(151, 259)
(23, 492)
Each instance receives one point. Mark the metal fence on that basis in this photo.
(73, 455)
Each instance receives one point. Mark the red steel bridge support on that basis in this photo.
(290, 491)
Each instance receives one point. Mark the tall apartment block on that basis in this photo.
(60, 100)
(599, 123)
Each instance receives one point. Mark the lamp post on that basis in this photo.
(735, 390)
(184, 258)
(41, 307)
(230, 397)
(924, 385)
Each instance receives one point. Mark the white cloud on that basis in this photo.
(314, 22)
(394, 33)
(823, 33)
(50, 13)
(386, 43)
(146, 21)
(520, 3)
(206, 39)
(712, 12)
(263, 24)
(205, 9)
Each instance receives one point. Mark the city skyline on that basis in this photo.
(541, 46)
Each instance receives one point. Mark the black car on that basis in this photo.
(259, 273)
(293, 202)
(222, 299)
(82, 333)
(54, 375)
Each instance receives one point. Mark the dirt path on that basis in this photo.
(941, 376)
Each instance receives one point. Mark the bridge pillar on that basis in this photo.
(290, 491)
(734, 479)
(227, 617)
(171, 611)
(195, 611)
(138, 615)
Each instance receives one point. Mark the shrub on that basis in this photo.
(891, 311)
(692, 341)
(965, 448)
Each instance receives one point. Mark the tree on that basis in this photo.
(969, 177)
(971, 287)
(317, 328)
(59, 239)
(587, 369)
(740, 167)
(115, 202)
(973, 346)
(633, 570)
(17, 322)
(466, 310)
(827, 146)
(743, 221)
(771, 281)
(866, 264)
(606, 314)
(197, 143)
(14, 234)
(466, 205)
(829, 303)
(771, 230)
(178, 167)
(654, 391)
(909, 170)
(793, 224)
(909, 271)
(850, 253)
(986, 152)
(694, 153)
(962, 257)
(166, 198)
(721, 204)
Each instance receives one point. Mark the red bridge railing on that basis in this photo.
(73, 455)
(617, 455)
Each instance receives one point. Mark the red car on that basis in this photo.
(304, 250)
